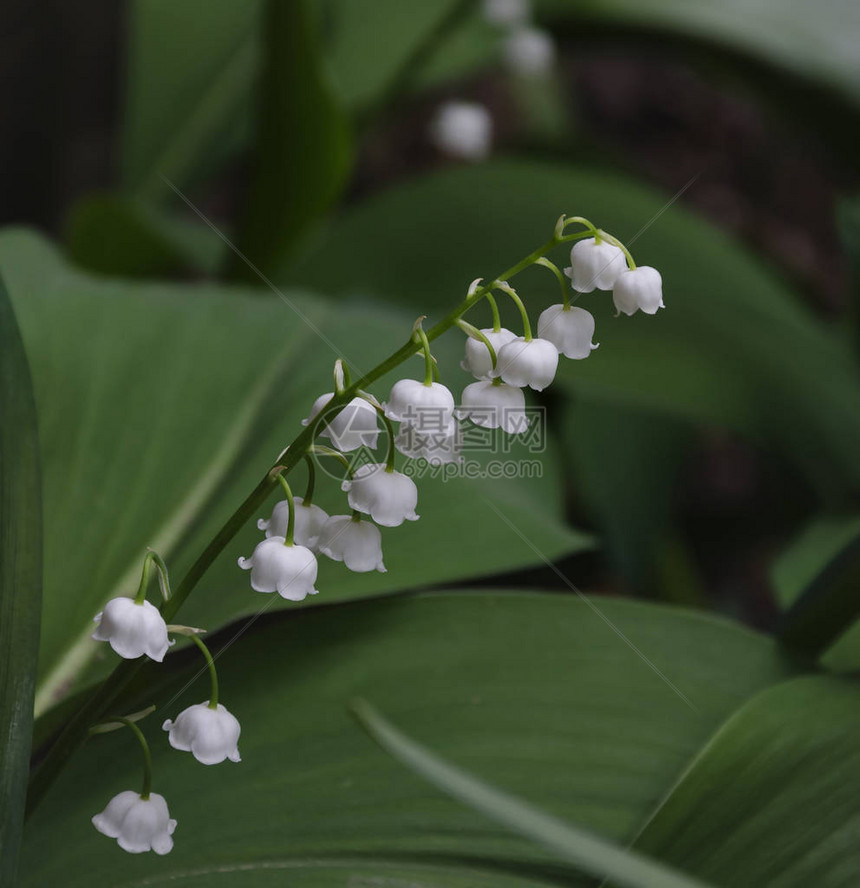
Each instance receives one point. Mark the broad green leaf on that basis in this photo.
(733, 346)
(772, 799)
(161, 407)
(20, 581)
(303, 151)
(578, 847)
(533, 693)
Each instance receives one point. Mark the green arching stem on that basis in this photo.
(322, 450)
(579, 220)
(109, 692)
(506, 288)
(307, 499)
(347, 376)
(147, 757)
(356, 515)
(428, 355)
(627, 254)
(152, 557)
(565, 290)
(389, 428)
(291, 520)
(494, 308)
(213, 674)
(475, 333)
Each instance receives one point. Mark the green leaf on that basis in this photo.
(20, 581)
(303, 150)
(161, 407)
(772, 799)
(533, 693)
(578, 847)
(787, 383)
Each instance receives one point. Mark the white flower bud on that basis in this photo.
(531, 363)
(529, 52)
(495, 406)
(595, 264)
(291, 571)
(463, 130)
(137, 824)
(309, 520)
(357, 424)
(436, 445)
(411, 401)
(358, 544)
(132, 629)
(570, 331)
(210, 735)
(388, 497)
(477, 360)
(505, 13)
(642, 287)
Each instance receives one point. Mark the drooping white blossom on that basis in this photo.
(529, 51)
(291, 571)
(358, 544)
(389, 497)
(137, 824)
(595, 265)
(639, 288)
(417, 403)
(356, 425)
(477, 360)
(531, 363)
(309, 520)
(505, 13)
(132, 629)
(210, 735)
(463, 130)
(569, 330)
(494, 406)
(436, 445)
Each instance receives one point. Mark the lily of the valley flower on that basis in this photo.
(495, 406)
(138, 824)
(529, 51)
(358, 544)
(309, 520)
(389, 497)
(569, 329)
(477, 360)
(463, 130)
(532, 363)
(356, 425)
(595, 265)
(210, 735)
(410, 400)
(132, 629)
(291, 571)
(505, 13)
(437, 445)
(639, 288)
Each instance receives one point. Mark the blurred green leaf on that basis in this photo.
(160, 408)
(20, 581)
(578, 847)
(534, 693)
(303, 151)
(772, 799)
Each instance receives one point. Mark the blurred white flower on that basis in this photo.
(595, 265)
(477, 360)
(463, 130)
(530, 363)
(137, 824)
(358, 544)
(389, 498)
(132, 629)
(355, 426)
(506, 12)
(494, 406)
(570, 330)
(309, 520)
(529, 51)
(642, 288)
(210, 735)
(291, 571)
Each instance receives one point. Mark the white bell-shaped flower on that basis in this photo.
(495, 406)
(641, 287)
(132, 629)
(137, 824)
(463, 130)
(356, 425)
(505, 13)
(436, 445)
(309, 520)
(210, 735)
(358, 544)
(569, 330)
(389, 498)
(529, 52)
(291, 571)
(420, 404)
(530, 363)
(477, 360)
(595, 265)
